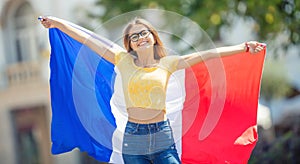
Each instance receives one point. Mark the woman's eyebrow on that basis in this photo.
(129, 34)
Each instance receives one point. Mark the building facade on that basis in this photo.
(25, 110)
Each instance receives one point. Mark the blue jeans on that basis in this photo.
(149, 143)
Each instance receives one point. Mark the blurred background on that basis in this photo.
(25, 111)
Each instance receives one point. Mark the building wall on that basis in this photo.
(25, 111)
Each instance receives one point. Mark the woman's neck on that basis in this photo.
(146, 58)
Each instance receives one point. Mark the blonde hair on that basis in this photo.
(159, 50)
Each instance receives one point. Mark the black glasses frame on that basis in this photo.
(136, 36)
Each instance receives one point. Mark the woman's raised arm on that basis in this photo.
(100, 45)
(197, 57)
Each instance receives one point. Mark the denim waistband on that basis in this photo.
(155, 125)
(140, 139)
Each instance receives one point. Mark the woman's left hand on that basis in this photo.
(255, 47)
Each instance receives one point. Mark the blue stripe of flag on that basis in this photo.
(81, 85)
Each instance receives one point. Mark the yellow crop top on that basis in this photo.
(145, 87)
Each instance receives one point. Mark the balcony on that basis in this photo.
(25, 73)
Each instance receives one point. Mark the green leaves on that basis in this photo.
(272, 17)
(275, 83)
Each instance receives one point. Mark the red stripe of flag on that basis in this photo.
(219, 114)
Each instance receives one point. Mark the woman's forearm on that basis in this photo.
(81, 35)
(223, 51)
(69, 30)
(197, 57)
(231, 50)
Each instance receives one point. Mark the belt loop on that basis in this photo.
(137, 127)
(157, 126)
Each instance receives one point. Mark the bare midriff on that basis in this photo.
(145, 116)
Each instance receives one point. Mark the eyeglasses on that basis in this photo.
(136, 36)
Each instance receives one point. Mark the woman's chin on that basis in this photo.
(144, 47)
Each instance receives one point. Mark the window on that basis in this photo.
(31, 134)
(25, 42)
(19, 33)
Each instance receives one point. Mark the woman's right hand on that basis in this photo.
(100, 46)
(47, 21)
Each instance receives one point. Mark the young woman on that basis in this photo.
(145, 69)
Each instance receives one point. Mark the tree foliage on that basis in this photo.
(275, 83)
(271, 17)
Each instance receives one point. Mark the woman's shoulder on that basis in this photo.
(121, 55)
(170, 58)
(170, 62)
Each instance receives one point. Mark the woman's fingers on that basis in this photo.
(258, 49)
(46, 22)
(40, 18)
(256, 46)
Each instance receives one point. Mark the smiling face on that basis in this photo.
(140, 37)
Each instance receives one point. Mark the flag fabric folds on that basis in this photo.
(212, 106)
(221, 126)
(75, 95)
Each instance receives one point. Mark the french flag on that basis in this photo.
(212, 106)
